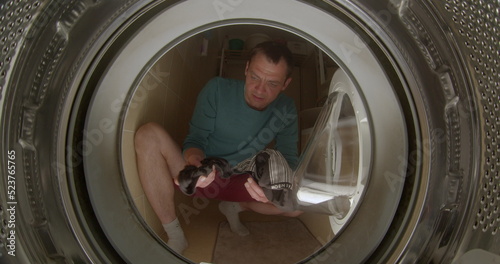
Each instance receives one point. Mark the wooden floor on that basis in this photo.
(200, 220)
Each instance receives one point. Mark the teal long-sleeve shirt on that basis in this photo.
(223, 125)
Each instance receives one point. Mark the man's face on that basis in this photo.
(264, 81)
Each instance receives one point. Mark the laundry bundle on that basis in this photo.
(272, 172)
(268, 168)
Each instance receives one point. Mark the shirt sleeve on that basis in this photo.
(202, 122)
(287, 138)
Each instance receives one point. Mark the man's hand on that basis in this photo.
(194, 156)
(204, 181)
(194, 160)
(255, 191)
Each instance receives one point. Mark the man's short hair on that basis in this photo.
(274, 51)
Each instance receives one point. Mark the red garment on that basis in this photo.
(231, 189)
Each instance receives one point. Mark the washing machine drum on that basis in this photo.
(416, 97)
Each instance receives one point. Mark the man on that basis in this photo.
(232, 120)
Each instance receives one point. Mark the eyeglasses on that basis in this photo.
(271, 85)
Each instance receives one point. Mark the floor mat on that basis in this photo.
(282, 242)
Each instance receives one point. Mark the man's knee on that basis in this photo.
(146, 135)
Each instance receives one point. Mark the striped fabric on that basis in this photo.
(271, 170)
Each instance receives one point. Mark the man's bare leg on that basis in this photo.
(261, 205)
(267, 209)
(159, 159)
(232, 210)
